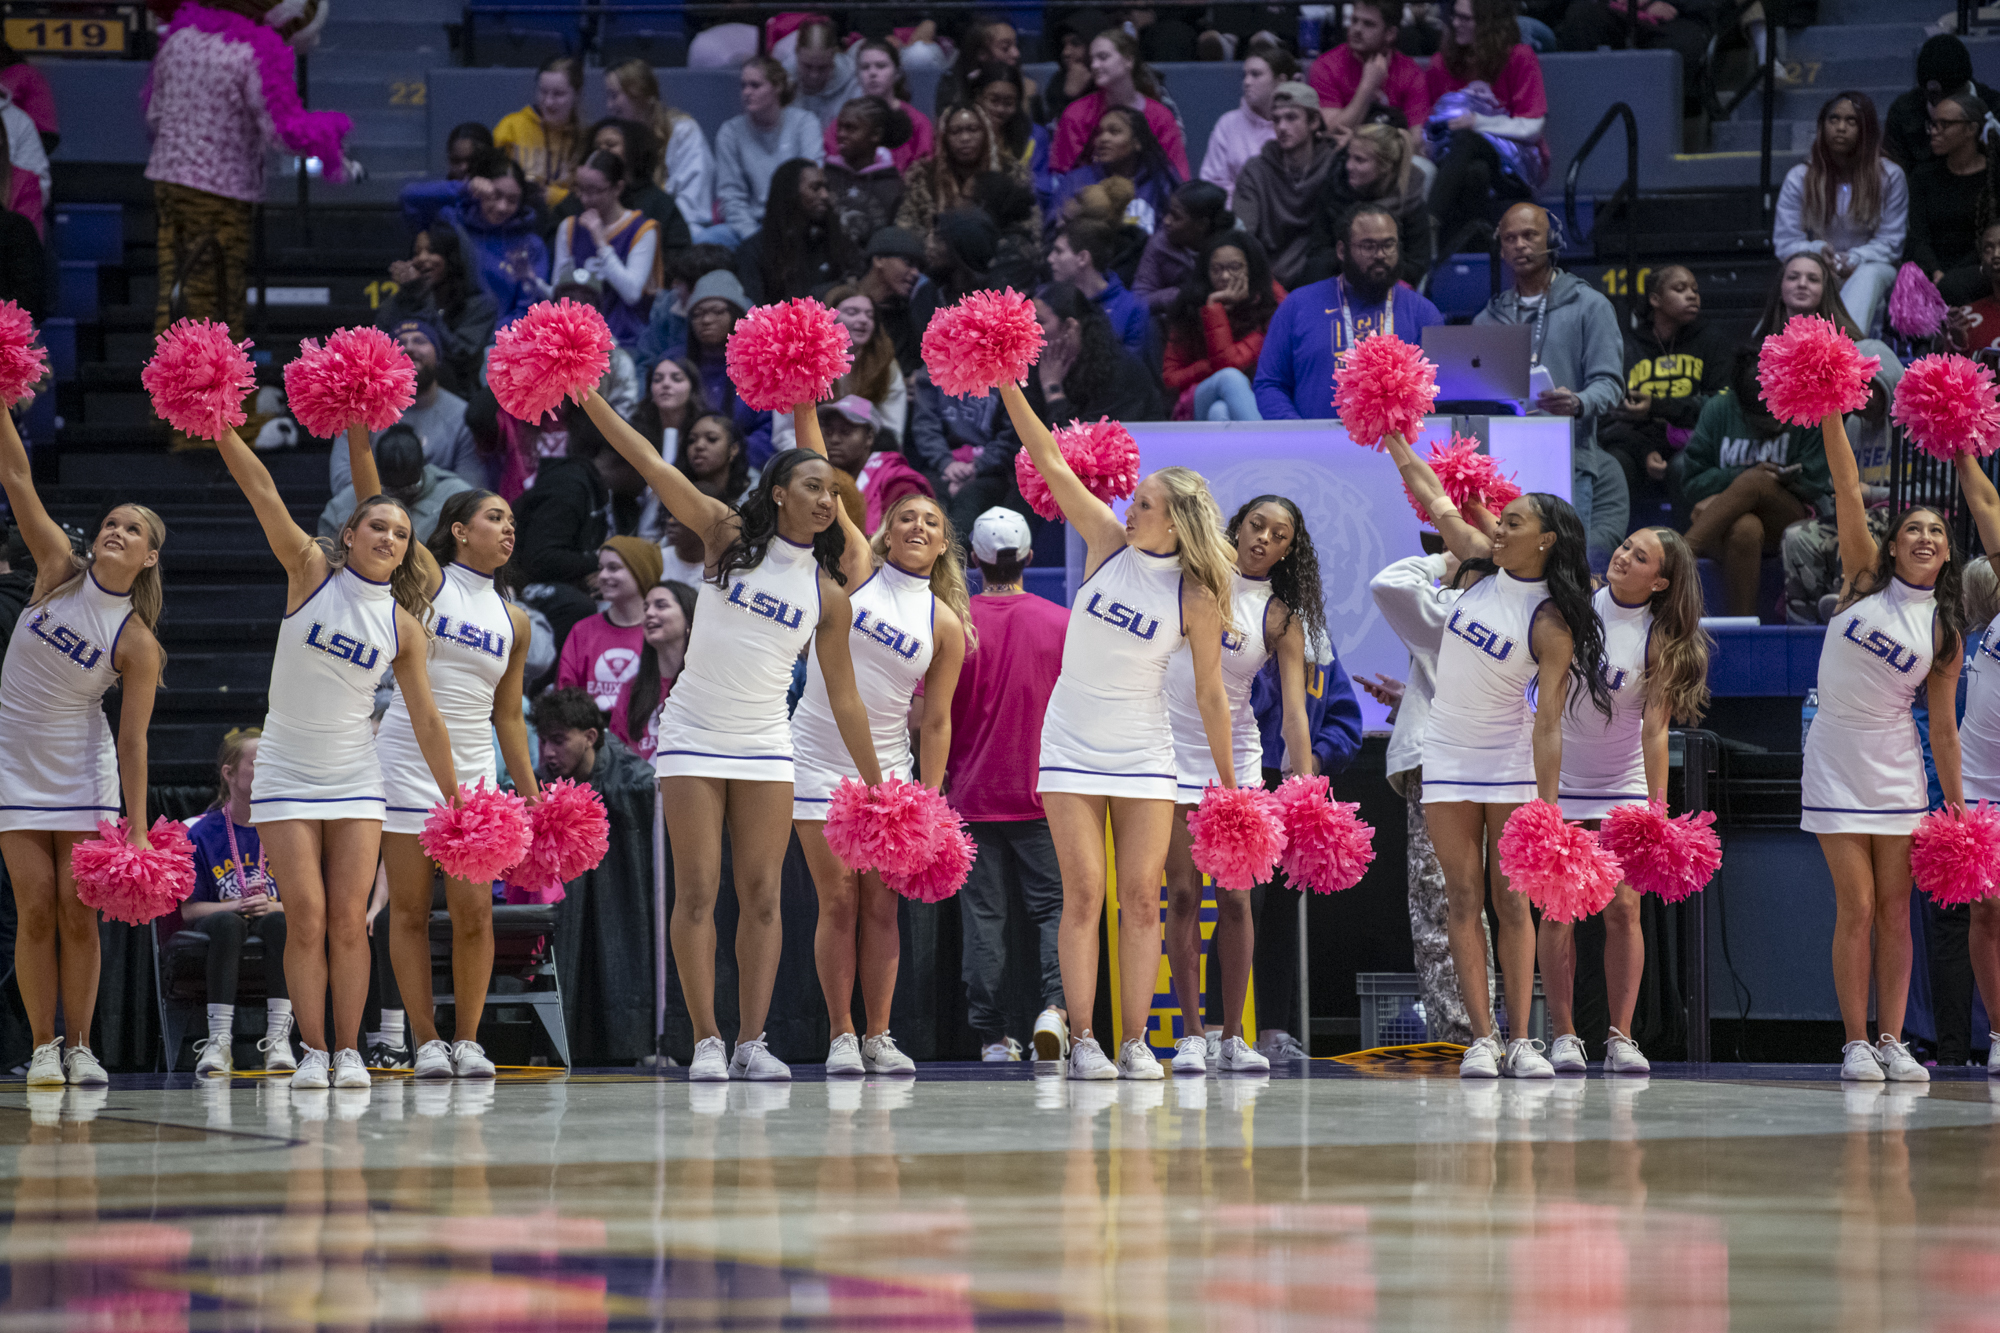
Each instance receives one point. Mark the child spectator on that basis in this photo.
(546, 137)
(1123, 146)
(669, 616)
(686, 170)
(878, 71)
(1674, 363)
(1849, 204)
(751, 147)
(1079, 259)
(1196, 211)
(1375, 167)
(1121, 79)
(498, 214)
(1216, 330)
(435, 287)
(800, 247)
(601, 654)
(618, 246)
(1975, 327)
(1485, 125)
(862, 176)
(1241, 134)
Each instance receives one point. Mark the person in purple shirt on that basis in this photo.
(1318, 323)
(1081, 257)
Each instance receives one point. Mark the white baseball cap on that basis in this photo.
(999, 532)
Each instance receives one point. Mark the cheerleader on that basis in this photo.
(1897, 628)
(772, 585)
(1656, 668)
(1163, 575)
(88, 624)
(1277, 569)
(352, 606)
(1525, 620)
(908, 630)
(478, 652)
(1979, 736)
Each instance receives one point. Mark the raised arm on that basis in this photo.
(1093, 520)
(1982, 499)
(361, 463)
(1296, 725)
(836, 668)
(45, 537)
(940, 684)
(138, 662)
(1553, 649)
(1203, 619)
(507, 720)
(857, 562)
(304, 561)
(1462, 538)
(1850, 506)
(697, 511)
(413, 677)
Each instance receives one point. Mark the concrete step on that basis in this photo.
(379, 127)
(1847, 12)
(1802, 105)
(1747, 136)
(133, 469)
(361, 63)
(1894, 44)
(406, 37)
(364, 12)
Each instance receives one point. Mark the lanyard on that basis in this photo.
(1344, 332)
(236, 855)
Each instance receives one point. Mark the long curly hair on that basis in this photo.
(1566, 570)
(1295, 579)
(1098, 347)
(948, 574)
(1681, 679)
(757, 523)
(1948, 590)
(1495, 33)
(1206, 559)
(1184, 320)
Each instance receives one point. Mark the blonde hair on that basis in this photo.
(1680, 679)
(1106, 201)
(636, 77)
(409, 582)
(947, 575)
(1392, 149)
(148, 599)
(1207, 558)
(229, 756)
(1980, 589)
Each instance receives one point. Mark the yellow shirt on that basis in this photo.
(549, 158)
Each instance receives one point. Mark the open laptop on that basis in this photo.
(1480, 362)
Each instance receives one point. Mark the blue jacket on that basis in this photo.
(1333, 715)
(1127, 314)
(513, 258)
(1295, 370)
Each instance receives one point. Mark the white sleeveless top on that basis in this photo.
(472, 637)
(892, 641)
(1603, 762)
(1979, 729)
(1244, 653)
(1479, 744)
(1864, 763)
(59, 764)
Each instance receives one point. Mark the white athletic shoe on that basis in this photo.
(1237, 1056)
(1086, 1057)
(1052, 1036)
(1860, 1064)
(468, 1060)
(433, 1060)
(277, 1048)
(83, 1069)
(311, 1075)
(1000, 1052)
(1623, 1056)
(1190, 1055)
(1481, 1058)
(348, 1070)
(1993, 1053)
(1214, 1052)
(882, 1057)
(1900, 1065)
(1525, 1060)
(844, 1055)
(1279, 1044)
(753, 1060)
(45, 1070)
(1137, 1061)
(710, 1063)
(216, 1057)
(1567, 1055)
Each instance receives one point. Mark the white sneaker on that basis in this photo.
(753, 1060)
(45, 1070)
(1214, 1053)
(1525, 1060)
(348, 1071)
(710, 1063)
(1137, 1061)
(1993, 1053)
(1901, 1066)
(215, 1054)
(844, 1056)
(1567, 1055)
(1086, 1057)
(433, 1060)
(882, 1057)
(1860, 1064)
(1190, 1055)
(1481, 1059)
(1000, 1052)
(1623, 1056)
(83, 1069)
(312, 1071)
(1052, 1035)
(468, 1060)
(1237, 1056)
(1279, 1044)
(277, 1048)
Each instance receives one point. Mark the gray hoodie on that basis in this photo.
(1580, 345)
(1276, 205)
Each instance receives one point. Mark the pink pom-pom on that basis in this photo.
(199, 378)
(130, 883)
(571, 835)
(360, 375)
(22, 364)
(1469, 477)
(986, 340)
(1812, 369)
(1103, 455)
(1328, 847)
(893, 828)
(1916, 307)
(1949, 406)
(480, 839)
(785, 354)
(1238, 836)
(1674, 858)
(944, 874)
(558, 350)
(1955, 860)
(1384, 386)
(1562, 867)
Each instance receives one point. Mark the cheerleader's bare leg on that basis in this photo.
(1139, 831)
(1076, 824)
(327, 868)
(760, 829)
(1871, 929)
(1458, 835)
(694, 813)
(471, 908)
(55, 943)
(1624, 957)
(857, 928)
(1514, 944)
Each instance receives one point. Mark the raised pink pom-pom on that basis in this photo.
(944, 874)
(480, 839)
(1916, 307)
(785, 354)
(1103, 455)
(22, 364)
(1955, 860)
(360, 375)
(986, 340)
(1468, 477)
(1328, 846)
(558, 350)
(1675, 858)
(1384, 386)
(1812, 369)
(893, 828)
(1562, 867)
(199, 377)
(571, 835)
(1949, 406)
(129, 883)
(1238, 836)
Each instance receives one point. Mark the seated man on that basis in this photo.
(1976, 327)
(419, 486)
(1277, 192)
(869, 456)
(437, 416)
(1081, 256)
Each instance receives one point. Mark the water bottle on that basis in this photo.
(1807, 711)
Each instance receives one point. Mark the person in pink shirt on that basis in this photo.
(881, 475)
(879, 71)
(1241, 134)
(1485, 125)
(1366, 75)
(29, 88)
(603, 652)
(1122, 80)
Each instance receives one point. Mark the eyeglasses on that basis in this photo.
(1372, 249)
(1934, 124)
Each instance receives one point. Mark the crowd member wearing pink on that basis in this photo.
(28, 88)
(1488, 107)
(1241, 134)
(1122, 80)
(880, 473)
(602, 652)
(1366, 75)
(879, 71)
(26, 189)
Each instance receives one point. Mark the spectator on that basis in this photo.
(669, 615)
(17, 582)
(421, 199)
(1681, 26)
(1196, 211)
(1375, 167)
(618, 246)
(435, 287)
(635, 145)
(28, 186)
(1366, 80)
(1849, 204)
(878, 70)
(1485, 125)
(1216, 330)
(1242, 133)
(437, 416)
(620, 383)
(601, 654)
(1124, 147)
(714, 306)
(1944, 66)
(498, 214)
(875, 376)
(462, 145)
(963, 446)
(1674, 363)
(713, 455)
(1975, 327)
(1012, 656)
(1301, 348)
(234, 898)
(801, 245)
(1000, 91)
(686, 170)
(943, 181)
(1279, 190)
(1086, 371)
(1952, 198)
(1073, 74)
(674, 400)
(894, 259)
(1079, 258)
(667, 333)
(865, 182)
(546, 136)
(1576, 340)
(982, 44)
(751, 147)
(28, 88)
(856, 444)
(823, 72)
(420, 487)
(560, 522)
(23, 264)
(1120, 79)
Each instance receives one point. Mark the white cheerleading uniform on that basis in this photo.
(1979, 730)
(1864, 765)
(1480, 744)
(1106, 732)
(316, 759)
(58, 762)
(726, 715)
(892, 640)
(471, 638)
(1244, 653)
(1604, 762)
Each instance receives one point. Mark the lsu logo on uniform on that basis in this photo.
(342, 647)
(66, 641)
(905, 646)
(764, 604)
(1120, 616)
(1489, 641)
(1233, 642)
(1878, 643)
(465, 634)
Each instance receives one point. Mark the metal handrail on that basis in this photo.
(1628, 191)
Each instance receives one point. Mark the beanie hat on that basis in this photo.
(640, 556)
